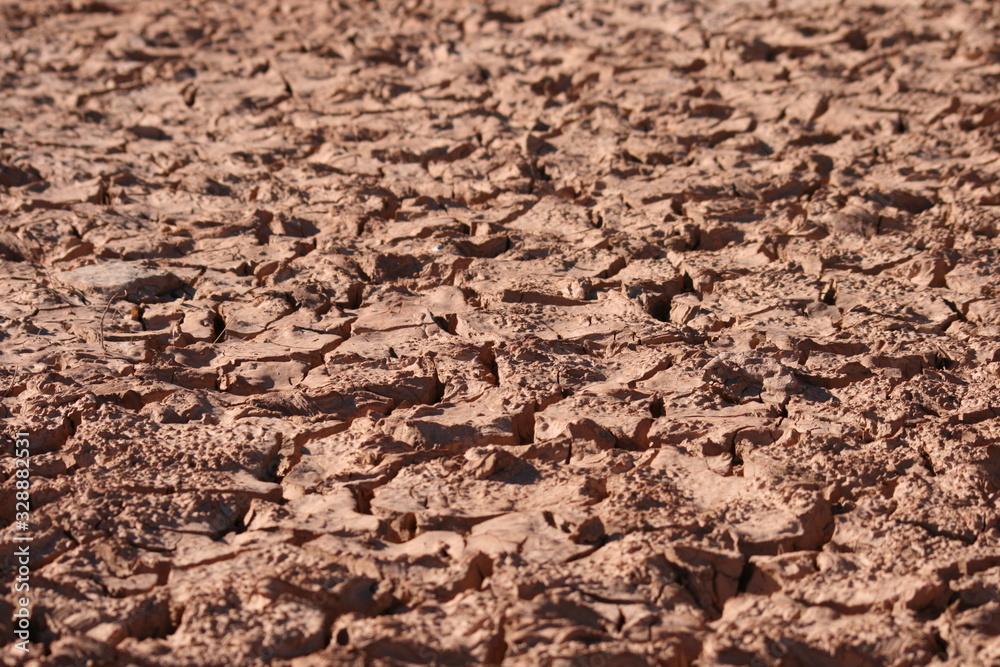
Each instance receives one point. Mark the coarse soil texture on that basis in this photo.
(524, 333)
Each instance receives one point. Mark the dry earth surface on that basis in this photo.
(533, 333)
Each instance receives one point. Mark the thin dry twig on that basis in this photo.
(14, 377)
(114, 296)
(225, 328)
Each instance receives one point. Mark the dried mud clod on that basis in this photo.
(584, 333)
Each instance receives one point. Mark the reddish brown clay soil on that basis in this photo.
(545, 333)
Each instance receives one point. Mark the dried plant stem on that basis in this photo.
(114, 296)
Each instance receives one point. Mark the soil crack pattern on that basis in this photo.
(523, 333)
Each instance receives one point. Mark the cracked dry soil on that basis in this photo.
(526, 333)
